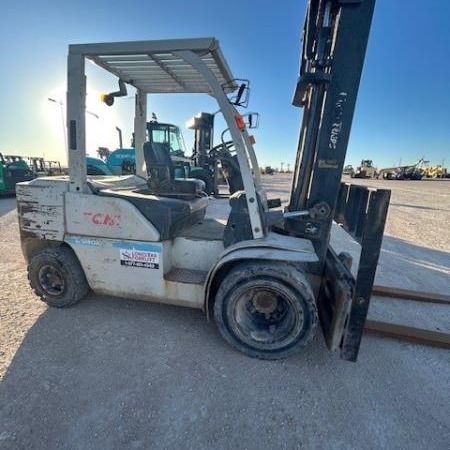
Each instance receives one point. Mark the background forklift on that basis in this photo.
(123, 160)
(214, 163)
(37, 166)
(265, 274)
(13, 170)
(208, 162)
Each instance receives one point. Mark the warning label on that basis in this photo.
(139, 258)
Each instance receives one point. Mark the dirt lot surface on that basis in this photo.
(115, 374)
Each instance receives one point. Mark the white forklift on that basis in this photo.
(265, 274)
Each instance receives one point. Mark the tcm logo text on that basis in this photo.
(109, 220)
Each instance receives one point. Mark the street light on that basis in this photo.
(60, 103)
(120, 137)
(93, 114)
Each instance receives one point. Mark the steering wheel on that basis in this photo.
(228, 145)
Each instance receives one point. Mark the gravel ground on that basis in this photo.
(115, 374)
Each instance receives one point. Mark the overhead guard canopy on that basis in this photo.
(156, 67)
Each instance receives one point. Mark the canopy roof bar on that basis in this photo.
(165, 68)
(154, 67)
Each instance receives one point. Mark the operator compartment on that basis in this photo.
(169, 215)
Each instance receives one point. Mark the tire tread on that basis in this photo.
(65, 256)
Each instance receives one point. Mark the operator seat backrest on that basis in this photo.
(161, 173)
(158, 154)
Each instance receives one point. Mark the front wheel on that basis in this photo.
(57, 278)
(266, 310)
(206, 177)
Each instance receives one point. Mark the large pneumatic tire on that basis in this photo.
(265, 310)
(204, 176)
(57, 278)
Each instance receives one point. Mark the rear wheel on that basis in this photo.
(265, 311)
(57, 277)
(205, 176)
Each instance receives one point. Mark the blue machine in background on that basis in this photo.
(96, 166)
(203, 165)
(121, 159)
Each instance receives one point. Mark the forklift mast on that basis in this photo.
(203, 125)
(334, 44)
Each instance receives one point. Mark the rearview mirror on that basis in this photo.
(251, 120)
(243, 92)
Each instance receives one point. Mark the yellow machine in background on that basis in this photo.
(365, 170)
(435, 172)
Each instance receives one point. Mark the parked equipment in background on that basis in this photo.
(209, 163)
(265, 274)
(42, 168)
(435, 172)
(96, 166)
(37, 166)
(214, 163)
(411, 172)
(204, 168)
(13, 170)
(54, 168)
(168, 138)
(348, 170)
(165, 135)
(268, 170)
(365, 170)
(122, 161)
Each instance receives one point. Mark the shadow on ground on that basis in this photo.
(405, 205)
(406, 266)
(7, 204)
(402, 264)
(113, 373)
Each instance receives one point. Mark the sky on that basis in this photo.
(403, 107)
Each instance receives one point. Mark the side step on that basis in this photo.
(186, 276)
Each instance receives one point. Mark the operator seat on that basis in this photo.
(170, 204)
(161, 173)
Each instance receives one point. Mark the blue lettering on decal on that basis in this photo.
(140, 246)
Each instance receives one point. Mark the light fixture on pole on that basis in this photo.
(60, 103)
(93, 114)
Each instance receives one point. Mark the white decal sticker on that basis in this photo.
(139, 258)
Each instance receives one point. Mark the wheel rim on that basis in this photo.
(51, 280)
(266, 318)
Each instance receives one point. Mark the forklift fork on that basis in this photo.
(343, 300)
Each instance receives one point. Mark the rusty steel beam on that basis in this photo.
(420, 335)
(405, 294)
